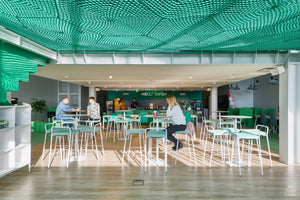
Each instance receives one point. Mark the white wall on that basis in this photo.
(243, 97)
(267, 95)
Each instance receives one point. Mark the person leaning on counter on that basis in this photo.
(117, 103)
(122, 104)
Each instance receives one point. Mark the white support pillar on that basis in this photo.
(214, 102)
(92, 92)
(8, 96)
(289, 109)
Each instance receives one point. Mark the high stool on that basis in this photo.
(216, 133)
(156, 133)
(187, 135)
(48, 127)
(262, 131)
(60, 133)
(90, 132)
(133, 132)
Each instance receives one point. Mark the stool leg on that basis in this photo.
(204, 151)
(239, 156)
(166, 156)
(194, 150)
(101, 142)
(124, 149)
(50, 151)
(176, 149)
(188, 143)
(97, 153)
(212, 150)
(260, 158)
(141, 149)
(44, 146)
(269, 150)
(145, 149)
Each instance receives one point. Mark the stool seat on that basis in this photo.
(218, 132)
(156, 134)
(135, 131)
(246, 136)
(255, 132)
(63, 132)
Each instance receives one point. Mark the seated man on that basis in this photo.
(63, 108)
(93, 109)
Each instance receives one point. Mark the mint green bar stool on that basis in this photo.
(90, 132)
(155, 133)
(250, 137)
(262, 131)
(130, 132)
(215, 133)
(60, 133)
(187, 136)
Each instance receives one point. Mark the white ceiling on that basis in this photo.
(186, 77)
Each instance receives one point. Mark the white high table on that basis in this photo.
(235, 118)
(76, 120)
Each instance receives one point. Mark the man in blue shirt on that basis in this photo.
(63, 108)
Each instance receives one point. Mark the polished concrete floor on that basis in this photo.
(108, 178)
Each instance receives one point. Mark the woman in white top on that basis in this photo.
(179, 124)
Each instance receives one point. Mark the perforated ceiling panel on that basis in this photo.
(155, 25)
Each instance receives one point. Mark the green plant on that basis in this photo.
(38, 106)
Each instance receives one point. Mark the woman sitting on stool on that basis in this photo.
(179, 124)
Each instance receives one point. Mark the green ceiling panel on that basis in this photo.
(155, 25)
(15, 66)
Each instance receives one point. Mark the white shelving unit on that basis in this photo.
(15, 140)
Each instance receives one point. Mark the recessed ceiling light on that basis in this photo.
(137, 90)
(214, 83)
(130, 87)
(89, 82)
(105, 86)
(190, 76)
(66, 76)
(110, 76)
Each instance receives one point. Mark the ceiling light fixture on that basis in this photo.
(190, 76)
(66, 76)
(257, 83)
(251, 87)
(273, 81)
(236, 87)
(110, 76)
(89, 82)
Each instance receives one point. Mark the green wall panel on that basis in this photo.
(190, 95)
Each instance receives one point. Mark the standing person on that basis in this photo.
(133, 104)
(93, 109)
(122, 104)
(63, 108)
(179, 124)
(117, 103)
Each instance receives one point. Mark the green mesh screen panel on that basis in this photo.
(155, 25)
(15, 66)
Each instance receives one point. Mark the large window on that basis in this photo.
(73, 91)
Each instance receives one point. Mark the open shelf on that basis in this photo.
(15, 141)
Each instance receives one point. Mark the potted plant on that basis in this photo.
(38, 106)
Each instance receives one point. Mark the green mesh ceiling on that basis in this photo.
(155, 25)
(15, 66)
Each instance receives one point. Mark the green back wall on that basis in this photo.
(190, 95)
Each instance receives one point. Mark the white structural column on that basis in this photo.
(214, 102)
(92, 92)
(289, 109)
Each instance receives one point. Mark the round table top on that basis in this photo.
(236, 116)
